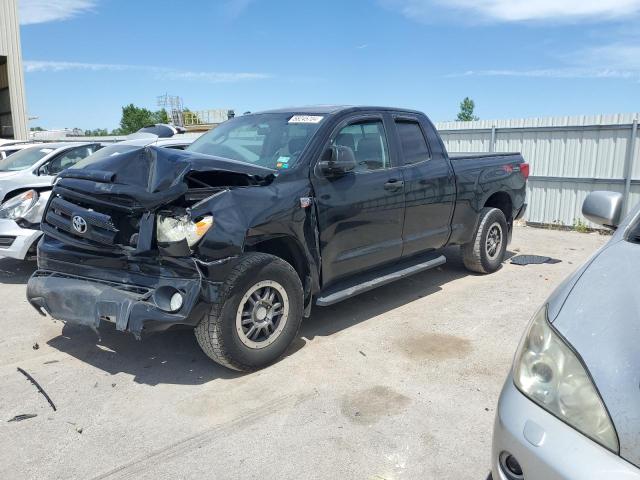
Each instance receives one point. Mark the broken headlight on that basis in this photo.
(19, 206)
(176, 229)
(548, 372)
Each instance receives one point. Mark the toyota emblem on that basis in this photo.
(79, 224)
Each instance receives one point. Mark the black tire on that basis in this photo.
(221, 333)
(479, 254)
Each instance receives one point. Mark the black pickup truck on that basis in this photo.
(262, 217)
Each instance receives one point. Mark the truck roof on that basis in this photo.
(333, 109)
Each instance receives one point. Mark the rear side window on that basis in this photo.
(414, 146)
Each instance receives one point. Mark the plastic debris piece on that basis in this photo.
(40, 389)
(533, 260)
(22, 416)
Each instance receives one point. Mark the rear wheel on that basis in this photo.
(257, 317)
(485, 253)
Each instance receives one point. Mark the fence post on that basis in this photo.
(628, 168)
(492, 145)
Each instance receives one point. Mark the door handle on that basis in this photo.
(394, 184)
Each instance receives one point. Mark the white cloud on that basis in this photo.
(234, 8)
(213, 77)
(609, 61)
(41, 11)
(553, 73)
(33, 66)
(625, 56)
(53, 66)
(520, 10)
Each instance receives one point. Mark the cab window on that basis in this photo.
(368, 141)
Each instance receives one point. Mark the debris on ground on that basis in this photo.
(22, 416)
(79, 429)
(40, 389)
(49, 362)
(362, 353)
(35, 346)
(533, 260)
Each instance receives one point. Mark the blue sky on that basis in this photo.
(84, 59)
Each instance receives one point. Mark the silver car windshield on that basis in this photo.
(23, 159)
(273, 140)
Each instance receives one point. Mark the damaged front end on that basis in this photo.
(122, 239)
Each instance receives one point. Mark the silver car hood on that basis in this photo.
(22, 179)
(599, 315)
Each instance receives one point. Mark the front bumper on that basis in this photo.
(133, 308)
(547, 448)
(16, 241)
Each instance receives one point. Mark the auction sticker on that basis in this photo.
(306, 119)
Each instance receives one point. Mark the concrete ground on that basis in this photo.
(398, 383)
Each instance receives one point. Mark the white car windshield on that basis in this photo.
(24, 159)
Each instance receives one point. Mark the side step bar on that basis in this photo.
(362, 283)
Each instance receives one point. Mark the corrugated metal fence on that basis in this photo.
(569, 157)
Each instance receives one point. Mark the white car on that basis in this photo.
(12, 147)
(26, 178)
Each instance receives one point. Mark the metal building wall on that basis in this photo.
(569, 157)
(10, 47)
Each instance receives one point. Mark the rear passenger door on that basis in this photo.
(429, 185)
(360, 214)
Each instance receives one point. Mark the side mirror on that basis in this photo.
(336, 161)
(44, 170)
(603, 208)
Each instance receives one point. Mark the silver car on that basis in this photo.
(27, 190)
(570, 408)
(25, 183)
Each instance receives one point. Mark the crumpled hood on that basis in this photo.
(152, 175)
(600, 318)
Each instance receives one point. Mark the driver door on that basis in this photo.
(360, 213)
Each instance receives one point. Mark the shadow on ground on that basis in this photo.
(15, 272)
(171, 357)
(325, 321)
(174, 357)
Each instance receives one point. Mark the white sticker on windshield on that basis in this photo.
(306, 119)
(46, 150)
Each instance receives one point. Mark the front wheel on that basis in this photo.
(257, 317)
(485, 253)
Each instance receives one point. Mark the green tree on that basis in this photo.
(96, 132)
(162, 116)
(134, 118)
(467, 107)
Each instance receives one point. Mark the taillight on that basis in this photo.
(524, 169)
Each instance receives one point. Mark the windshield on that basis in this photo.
(23, 159)
(273, 140)
(109, 151)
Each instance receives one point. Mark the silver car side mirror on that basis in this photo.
(603, 208)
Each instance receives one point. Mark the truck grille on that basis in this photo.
(93, 222)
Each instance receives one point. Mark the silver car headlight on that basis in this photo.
(19, 206)
(548, 372)
(176, 229)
